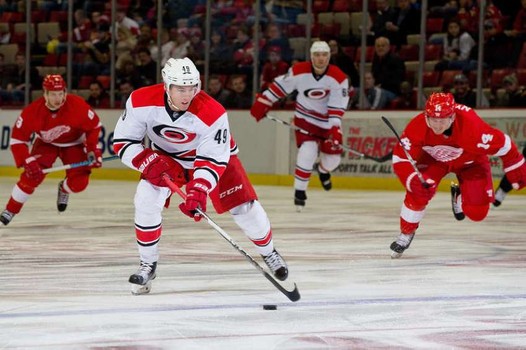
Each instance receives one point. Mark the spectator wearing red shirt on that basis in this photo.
(274, 67)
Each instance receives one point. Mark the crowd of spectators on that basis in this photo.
(391, 23)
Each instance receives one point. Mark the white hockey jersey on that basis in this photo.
(321, 100)
(198, 139)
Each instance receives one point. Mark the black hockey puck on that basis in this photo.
(270, 307)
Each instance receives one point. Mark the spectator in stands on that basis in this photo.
(15, 83)
(243, 48)
(286, 11)
(408, 97)
(125, 89)
(167, 45)
(375, 97)
(274, 67)
(147, 67)
(127, 71)
(180, 50)
(5, 35)
(216, 89)
(122, 20)
(273, 38)
(496, 46)
(98, 51)
(196, 49)
(467, 12)
(240, 98)
(407, 22)
(98, 97)
(518, 32)
(515, 95)
(220, 54)
(145, 38)
(387, 68)
(125, 44)
(384, 14)
(141, 6)
(464, 94)
(344, 62)
(457, 48)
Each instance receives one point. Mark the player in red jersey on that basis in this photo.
(450, 138)
(65, 127)
(191, 142)
(320, 104)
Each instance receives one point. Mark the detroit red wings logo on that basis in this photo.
(443, 153)
(174, 135)
(51, 135)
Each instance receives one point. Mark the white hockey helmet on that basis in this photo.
(181, 72)
(320, 46)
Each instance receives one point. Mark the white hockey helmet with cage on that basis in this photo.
(181, 72)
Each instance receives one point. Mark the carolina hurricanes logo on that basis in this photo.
(174, 135)
(443, 153)
(316, 94)
(51, 135)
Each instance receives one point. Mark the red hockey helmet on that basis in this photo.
(54, 82)
(440, 105)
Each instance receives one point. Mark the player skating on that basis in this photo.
(191, 142)
(450, 138)
(320, 104)
(65, 127)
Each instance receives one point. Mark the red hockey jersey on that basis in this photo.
(72, 124)
(470, 139)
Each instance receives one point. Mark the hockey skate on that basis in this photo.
(401, 244)
(456, 202)
(325, 179)
(299, 200)
(6, 217)
(62, 198)
(500, 194)
(277, 265)
(142, 279)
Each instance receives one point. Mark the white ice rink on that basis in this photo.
(461, 285)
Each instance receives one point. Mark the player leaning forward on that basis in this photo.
(65, 127)
(450, 137)
(191, 142)
(320, 104)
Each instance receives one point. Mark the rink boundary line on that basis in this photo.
(339, 182)
(258, 306)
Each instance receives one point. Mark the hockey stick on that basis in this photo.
(293, 295)
(346, 148)
(411, 160)
(76, 165)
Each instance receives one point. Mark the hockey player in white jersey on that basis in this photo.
(321, 101)
(191, 142)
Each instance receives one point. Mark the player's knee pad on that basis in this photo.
(251, 218)
(330, 161)
(28, 186)
(78, 183)
(476, 212)
(242, 209)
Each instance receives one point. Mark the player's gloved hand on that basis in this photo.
(196, 193)
(33, 170)
(516, 173)
(335, 136)
(415, 186)
(153, 166)
(261, 107)
(95, 158)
